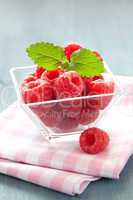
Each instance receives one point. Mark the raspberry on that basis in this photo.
(68, 124)
(69, 49)
(51, 75)
(88, 116)
(69, 84)
(37, 91)
(29, 78)
(56, 106)
(97, 88)
(88, 80)
(32, 84)
(34, 76)
(70, 109)
(93, 140)
(40, 109)
(39, 71)
(95, 78)
(50, 114)
(94, 103)
(98, 55)
(51, 118)
(71, 106)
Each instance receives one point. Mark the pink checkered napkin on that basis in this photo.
(22, 145)
(63, 181)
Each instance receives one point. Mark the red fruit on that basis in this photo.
(95, 103)
(56, 106)
(69, 49)
(97, 88)
(98, 55)
(37, 91)
(88, 80)
(68, 124)
(69, 110)
(93, 140)
(51, 118)
(69, 84)
(32, 84)
(88, 116)
(39, 71)
(39, 110)
(29, 78)
(34, 76)
(101, 87)
(74, 114)
(51, 75)
(95, 78)
(71, 106)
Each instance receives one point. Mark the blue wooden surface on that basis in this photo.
(103, 25)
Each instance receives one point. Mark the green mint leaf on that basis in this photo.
(46, 55)
(86, 63)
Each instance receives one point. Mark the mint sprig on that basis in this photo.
(46, 55)
(51, 56)
(86, 63)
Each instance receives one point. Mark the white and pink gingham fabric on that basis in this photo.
(62, 166)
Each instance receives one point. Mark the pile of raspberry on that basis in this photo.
(58, 84)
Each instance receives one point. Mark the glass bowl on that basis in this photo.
(64, 117)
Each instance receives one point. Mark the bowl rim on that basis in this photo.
(16, 85)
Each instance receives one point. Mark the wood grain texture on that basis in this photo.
(103, 25)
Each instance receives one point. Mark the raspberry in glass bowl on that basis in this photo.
(65, 100)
